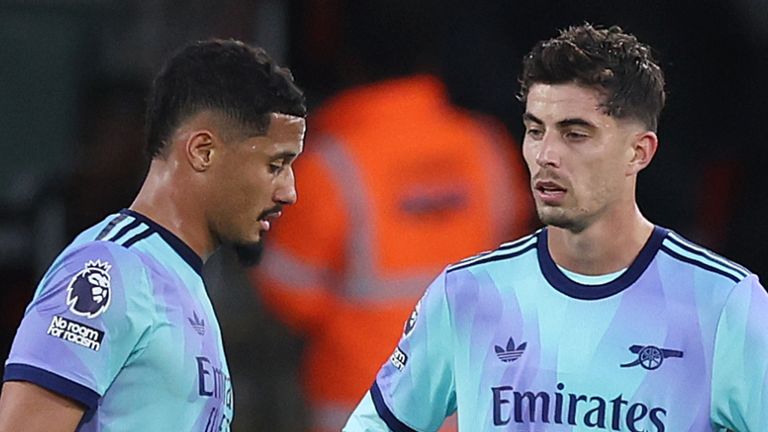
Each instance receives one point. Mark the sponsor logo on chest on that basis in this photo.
(213, 381)
(511, 405)
(515, 405)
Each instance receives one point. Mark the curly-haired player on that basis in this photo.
(601, 320)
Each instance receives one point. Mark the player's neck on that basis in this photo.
(167, 199)
(607, 245)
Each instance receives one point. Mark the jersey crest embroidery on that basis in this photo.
(88, 293)
(651, 357)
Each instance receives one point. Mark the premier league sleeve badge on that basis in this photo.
(88, 293)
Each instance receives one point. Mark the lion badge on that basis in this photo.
(88, 293)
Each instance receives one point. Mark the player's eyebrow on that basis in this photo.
(288, 155)
(575, 121)
(528, 117)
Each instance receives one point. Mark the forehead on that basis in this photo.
(284, 127)
(285, 135)
(556, 102)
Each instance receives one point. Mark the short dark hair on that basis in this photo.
(609, 60)
(227, 76)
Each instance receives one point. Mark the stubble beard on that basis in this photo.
(559, 217)
(249, 254)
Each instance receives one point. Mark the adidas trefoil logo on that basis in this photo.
(197, 323)
(511, 353)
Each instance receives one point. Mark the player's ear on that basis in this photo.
(644, 147)
(199, 150)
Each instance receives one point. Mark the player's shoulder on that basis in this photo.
(95, 260)
(103, 246)
(688, 254)
(113, 235)
(88, 273)
(101, 250)
(507, 252)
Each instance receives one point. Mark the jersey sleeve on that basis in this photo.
(88, 316)
(740, 365)
(366, 418)
(415, 389)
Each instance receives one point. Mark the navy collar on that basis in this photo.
(178, 245)
(565, 285)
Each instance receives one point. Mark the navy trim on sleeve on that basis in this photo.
(386, 415)
(51, 381)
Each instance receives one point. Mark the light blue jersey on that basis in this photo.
(676, 342)
(122, 323)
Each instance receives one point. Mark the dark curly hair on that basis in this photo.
(237, 80)
(609, 60)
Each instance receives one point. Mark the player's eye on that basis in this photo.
(275, 168)
(575, 136)
(534, 133)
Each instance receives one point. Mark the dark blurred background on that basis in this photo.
(75, 73)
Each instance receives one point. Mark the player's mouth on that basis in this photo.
(549, 192)
(266, 218)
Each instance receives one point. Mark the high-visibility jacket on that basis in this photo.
(394, 184)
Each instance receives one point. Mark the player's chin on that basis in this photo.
(255, 237)
(554, 216)
(566, 222)
(249, 253)
(251, 234)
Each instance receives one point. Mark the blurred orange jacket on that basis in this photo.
(394, 184)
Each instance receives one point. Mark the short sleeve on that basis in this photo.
(366, 418)
(415, 388)
(86, 319)
(740, 365)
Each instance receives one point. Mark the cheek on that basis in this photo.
(243, 192)
(589, 180)
(529, 155)
(603, 182)
(257, 189)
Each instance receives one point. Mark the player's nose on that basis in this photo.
(547, 154)
(286, 191)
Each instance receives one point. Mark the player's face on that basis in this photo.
(256, 181)
(576, 154)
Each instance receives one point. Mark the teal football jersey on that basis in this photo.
(122, 323)
(678, 341)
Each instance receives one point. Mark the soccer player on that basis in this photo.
(601, 320)
(382, 220)
(120, 334)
